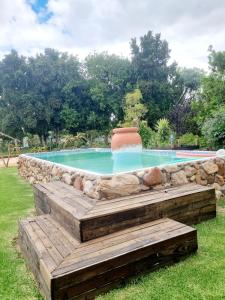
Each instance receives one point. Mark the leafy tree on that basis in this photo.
(110, 78)
(216, 60)
(13, 84)
(211, 98)
(70, 117)
(49, 73)
(82, 111)
(182, 115)
(134, 110)
(212, 95)
(156, 78)
(214, 129)
(31, 99)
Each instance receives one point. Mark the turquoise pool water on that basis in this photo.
(106, 162)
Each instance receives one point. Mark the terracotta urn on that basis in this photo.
(124, 138)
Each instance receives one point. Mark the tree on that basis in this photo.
(216, 60)
(49, 73)
(155, 77)
(110, 78)
(31, 97)
(13, 84)
(182, 115)
(212, 96)
(214, 129)
(81, 110)
(134, 110)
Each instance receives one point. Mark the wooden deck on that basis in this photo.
(79, 247)
(68, 269)
(87, 218)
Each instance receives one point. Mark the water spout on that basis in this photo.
(126, 146)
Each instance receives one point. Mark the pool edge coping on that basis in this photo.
(100, 175)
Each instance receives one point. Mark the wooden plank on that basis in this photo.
(75, 262)
(41, 205)
(113, 277)
(38, 246)
(126, 231)
(136, 239)
(74, 270)
(118, 239)
(75, 206)
(78, 261)
(180, 245)
(144, 200)
(106, 223)
(50, 248)
(155, 194)
(60, 188)
(36, 258)
(75, 242)
(181, 203)
(56, 236)
(65, 218)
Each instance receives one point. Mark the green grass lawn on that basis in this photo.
(15, 202)
(201, 276)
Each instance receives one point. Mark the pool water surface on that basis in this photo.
(106, 162)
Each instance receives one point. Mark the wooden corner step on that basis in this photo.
(68, 269)
(88, 219)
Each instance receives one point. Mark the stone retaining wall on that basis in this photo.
(205, 172)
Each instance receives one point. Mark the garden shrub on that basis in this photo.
(214, 129)
(146, 134)
(188, 139)
(163, 130)
(73, 141)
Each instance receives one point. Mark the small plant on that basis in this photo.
(189, 139)
(33, 140)
(163, 130)
(134, 110)
(146, 134)
(73, 141)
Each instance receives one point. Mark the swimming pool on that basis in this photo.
(101, 174)
(103, 161)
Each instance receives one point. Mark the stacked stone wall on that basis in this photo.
(205, 172)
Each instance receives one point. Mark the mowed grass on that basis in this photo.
(16, 201)
(201, 276)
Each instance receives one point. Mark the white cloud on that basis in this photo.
(81, 26)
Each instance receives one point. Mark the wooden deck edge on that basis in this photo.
(200, 208)
(57, 282)
(45, 205)
(189, 207)
(34, 262)
(163, 254)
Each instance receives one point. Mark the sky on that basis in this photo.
(83, 26)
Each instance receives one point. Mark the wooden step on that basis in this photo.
(68, 269)
(65, 204)
(87, 219)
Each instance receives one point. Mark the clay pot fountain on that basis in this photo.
(126, 147)
(126, 138)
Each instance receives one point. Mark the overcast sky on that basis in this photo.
(82, 26)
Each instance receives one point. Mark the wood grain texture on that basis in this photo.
(88, 219)
(79, 247)
(65, 268)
